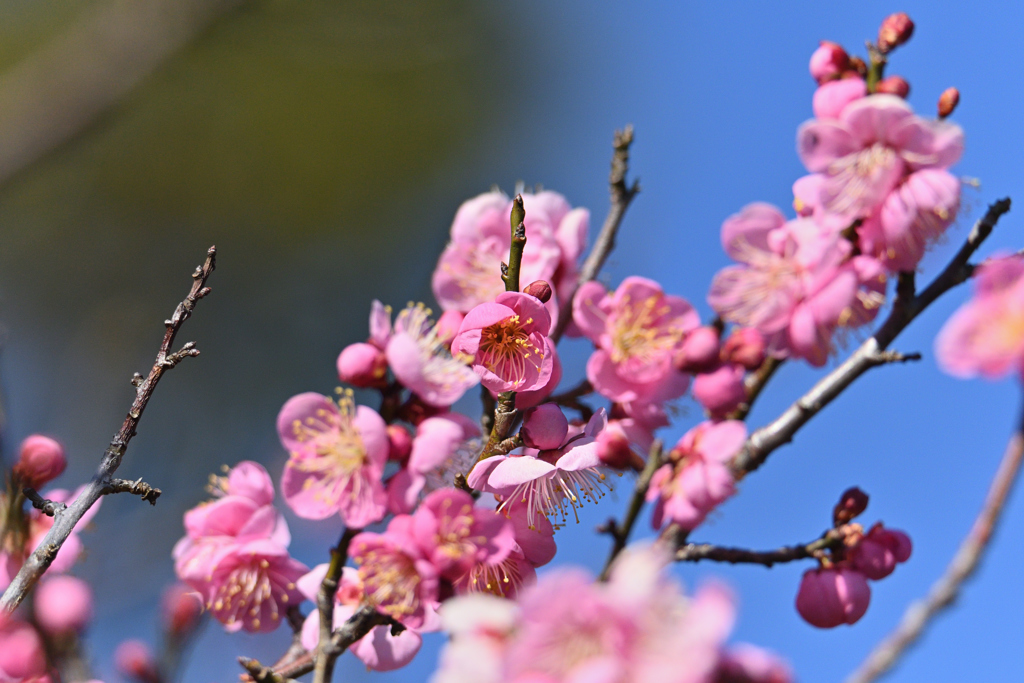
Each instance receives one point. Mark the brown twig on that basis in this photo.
(510, 272)
(65, 520)
(324, 669)
(620, 532)
(621, 196)
(695, 552)
(871, 353)
(136, 488)
(964, 563)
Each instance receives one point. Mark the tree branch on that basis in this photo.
(620, 532)
(964, 563)
(871, 353)
(65, 520)
(621, 196)
(325, 603)
(136, 488)
(695, 552)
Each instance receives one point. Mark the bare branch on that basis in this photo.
(47, 506)
(65, 520)
(695, 552)
(964, 563)
(136, 488)
(871, 353)
(325, 604)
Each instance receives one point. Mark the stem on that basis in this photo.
(695, 552)
(620, 532)
(324, 670)
(510, 274)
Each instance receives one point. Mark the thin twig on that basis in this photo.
(45, 505)
(65, 521)
(136, 488)
(870, 354)
(695, 552)
(621, 196)
(964, 563)
(510, 272)
(263, 674)
(325, 604)
(620, 532)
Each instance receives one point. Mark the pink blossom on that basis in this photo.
(63, 604)
(833, 596)
(698, 479)
(379, 649)
(455, 535)
(468, 272)
(363, 365)
(531, 399)
(443, 446)
(180, 610)
(547, 482)
(831, 98)
(134, 659)
(614, 446)
(879, 551)
(700, 350)
(986, 335)
(828, 61)
(399, 444)
(544, 427)
(746, 663)
(252, 584)
(40, 461)
(720, 391)
(21, 651)
(337, 453)
(398, 579)
(746, 347)
(508, 342)
(250, 480)
(638, 330)
(797, 283)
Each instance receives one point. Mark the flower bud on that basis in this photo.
(613, 447)
(63, 604)
(831, 98)
(948, 100)
(834, 596)
(745, 663)
(21, 650)
(448, 325)
(699, 352)
(363, 365)
(893, 85)
(40, 461)
(721, 391)
(895, 30)
(828, 62)
(544, 427)
(399, 444)
(879, 551)
(181, 609)
(746, 347)
(134, 659)
(539, 289)
(850, 505)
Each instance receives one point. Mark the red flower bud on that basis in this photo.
(834, 596)
(746, 347)
(134, 659)
(851, 503)
(699, 352)
(41, 461)
(895, 30)
(399, 443)
(613, 447)
(539, 289)
(893, 85)
(363, 365)
(828, 61)
(181, 609)
(948, 100)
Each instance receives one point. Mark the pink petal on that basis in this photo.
(589, 310)
(748, 230)
(511, 472)
(297, 409)
(819, 143)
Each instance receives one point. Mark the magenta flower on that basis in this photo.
(547, 482)
(337, 457)
(398, 579)
(63, 605)
(508, 342)
(698, 479)
(40, 461)
(638, 330)
(468, 272)
(831, 98)
(986, 335)
(443, 446)
(833, 596)
(21, 651)
(456, 536)
(879, 551)
(721, 390)
(379, 650)
(797, 283)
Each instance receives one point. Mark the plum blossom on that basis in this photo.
(507, 340)
(879, 551)
(467, 273)
(986, 335)
(698, 479)
(21, 651)
(40, 461)
(797, 283)
(337, 452)
(638, 330)
(63, 604)
(548, 482)
(832, 596)
(379, 650)
(443, 446)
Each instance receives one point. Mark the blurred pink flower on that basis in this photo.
(337, 456)
(797, 282)
(833, 596)
(443, 445)
(721, 390)
(363, 365)
(638, 330)
(21, 651)
(986, 335)
(135, 660)
(252, 584)
(828, 61)
(879, 551)
(698, 479)
(831, 98)
(508, 343)
(181, 608)
(40, 461)
(63, 604)
(746, 663)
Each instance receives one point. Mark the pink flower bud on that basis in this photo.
(893, 85)
(540, 289)
(895, 30)
(831, 98)
(448, 325)
(21, 650)
(699, 352)
(613, 447)
(851, 503)
(721, 391)
(134, 659)
(948, 100)
(41, 461)
(834, 596)
(746, 347)
(544, 427)
(828, 61)
(399, 443)
(879, 551)
(181, 609)
(363, 365)
(63, 604)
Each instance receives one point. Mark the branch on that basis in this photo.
(695, 552)
(621, 196)
(871, 353)
(65, 520)
(510, 273)
(964, 563)
(325, 603)
(47, 506)
(620, 532)
(136, 488)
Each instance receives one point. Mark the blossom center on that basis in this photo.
(390, 581)
(242, 594)
(639, 331)
(506, 349)
(863, 178)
